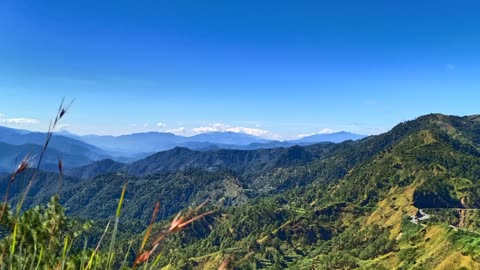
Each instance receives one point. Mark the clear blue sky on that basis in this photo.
(279, 67)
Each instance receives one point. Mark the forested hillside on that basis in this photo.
(363, 220)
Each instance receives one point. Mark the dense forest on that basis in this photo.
(404, 199)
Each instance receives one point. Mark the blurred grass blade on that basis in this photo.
(119, 207)
(155, 262)
(64, 252)
(98, 245)
(40, 256)
(62, 110)
(149, 230)
(125, 259)
(14, 239)
(84, 253)
(115, 228)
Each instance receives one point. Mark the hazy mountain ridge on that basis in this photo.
(12, 155)
(79, 151)
(335, 137)
(96, 168)
(158, 141)
(17, 144)
(58, 142)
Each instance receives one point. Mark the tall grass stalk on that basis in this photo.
(98, 245)
(64, 252)
(62, 110)
(34, 255)
(149, 229)
(39, 258)
(14, 239)
(125, 259)
(12, 247)
(178, 224)
(155, 262)
(21, 168)
(111, 252)
(83, 254)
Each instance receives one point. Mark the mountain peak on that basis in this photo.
(335, 137)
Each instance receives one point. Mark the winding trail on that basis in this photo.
(424, 216)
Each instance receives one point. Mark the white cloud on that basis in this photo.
(161, 125)
(17, 121)
(326, 131)
(321, 131)
(177, 131)
(62, 126)
(219, 127)
(303, 135)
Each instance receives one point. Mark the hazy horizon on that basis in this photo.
(299, 136)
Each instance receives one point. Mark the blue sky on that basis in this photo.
(271, 68)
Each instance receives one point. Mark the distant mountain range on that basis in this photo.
(336, 137)
(77, 151)
(150, 142)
